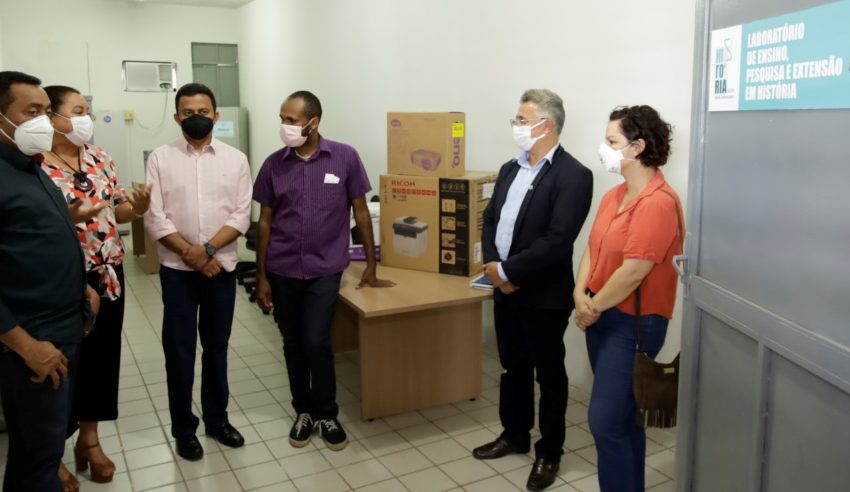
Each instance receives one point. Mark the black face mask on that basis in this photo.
(197, 127)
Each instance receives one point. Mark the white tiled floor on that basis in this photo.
(428, 450)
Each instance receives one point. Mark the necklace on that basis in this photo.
(81, 180)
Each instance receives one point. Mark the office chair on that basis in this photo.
(246, 271)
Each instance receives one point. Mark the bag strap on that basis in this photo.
(637, 291)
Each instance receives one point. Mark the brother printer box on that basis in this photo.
(426, 144)
(434, 224)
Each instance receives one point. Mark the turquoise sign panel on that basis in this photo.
(794, 61)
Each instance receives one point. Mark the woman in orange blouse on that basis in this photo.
(86, 176)
(636, 232)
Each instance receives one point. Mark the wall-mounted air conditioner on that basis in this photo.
(146, 76)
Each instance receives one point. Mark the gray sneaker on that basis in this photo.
(301, 431)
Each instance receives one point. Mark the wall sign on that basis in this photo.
(223, 129)
(799, 60)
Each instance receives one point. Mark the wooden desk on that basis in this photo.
(420, 341)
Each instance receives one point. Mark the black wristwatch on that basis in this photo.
(210, 249)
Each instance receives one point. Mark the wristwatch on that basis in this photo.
(210, 249)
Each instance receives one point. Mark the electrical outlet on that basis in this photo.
(129, 114)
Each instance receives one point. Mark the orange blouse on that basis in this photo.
(646, 229)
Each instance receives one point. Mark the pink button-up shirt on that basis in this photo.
(196, 194)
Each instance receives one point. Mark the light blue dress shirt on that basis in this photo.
(513, 201)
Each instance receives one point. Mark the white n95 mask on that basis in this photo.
(611, 159)
(83, 129)
(523, 138)
(32, 136)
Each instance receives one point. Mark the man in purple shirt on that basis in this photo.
(306, 191)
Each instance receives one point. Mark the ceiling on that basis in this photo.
(232, 4)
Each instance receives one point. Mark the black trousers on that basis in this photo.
(304, 311)
(196, 306)
(37, 419)
(532, 340)
(96, 387)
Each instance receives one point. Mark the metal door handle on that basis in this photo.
(679, 262)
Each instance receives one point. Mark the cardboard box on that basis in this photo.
(434, 224)
(144, 248)
(426, 144)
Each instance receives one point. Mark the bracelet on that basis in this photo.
(135, 214)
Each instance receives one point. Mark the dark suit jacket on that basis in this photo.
(540, 261)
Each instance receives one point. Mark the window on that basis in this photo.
(217, 67)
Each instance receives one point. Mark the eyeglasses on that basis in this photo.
(524, 122)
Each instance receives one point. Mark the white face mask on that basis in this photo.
(83, 129)
(523, 138)
(611, 159)
(291, 135)
(32, 136)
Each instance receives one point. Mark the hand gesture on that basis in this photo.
(211, 268)
(586, 312)
(264, 293)
(46, 360)
(371, 279)
(195, 257)
(80, 214)
(491, 270)
(139, 198)
(94, 302)
(508, 287)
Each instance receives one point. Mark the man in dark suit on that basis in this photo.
(538, 207)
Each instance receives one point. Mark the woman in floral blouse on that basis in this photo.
(86, 176)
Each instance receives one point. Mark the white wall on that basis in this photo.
(365, 58)
(368, 57)
(111, 31)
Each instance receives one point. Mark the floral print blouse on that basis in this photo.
(99, 235)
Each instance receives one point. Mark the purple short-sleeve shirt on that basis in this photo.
(311, 202)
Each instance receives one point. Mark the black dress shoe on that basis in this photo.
(190, 448)
(496, 449)
(542, 474)
(227, 435)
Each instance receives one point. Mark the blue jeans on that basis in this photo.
(196, 306)
(620, 441)
(37, 418)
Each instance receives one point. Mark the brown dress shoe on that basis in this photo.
(496, 449)
(542, 474)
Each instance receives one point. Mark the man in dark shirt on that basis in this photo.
(42, 292)
(539, 205)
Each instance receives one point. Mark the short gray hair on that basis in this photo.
(549, 105)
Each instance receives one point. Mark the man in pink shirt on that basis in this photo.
(201, 203)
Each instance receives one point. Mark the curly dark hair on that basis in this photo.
(644, 122)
